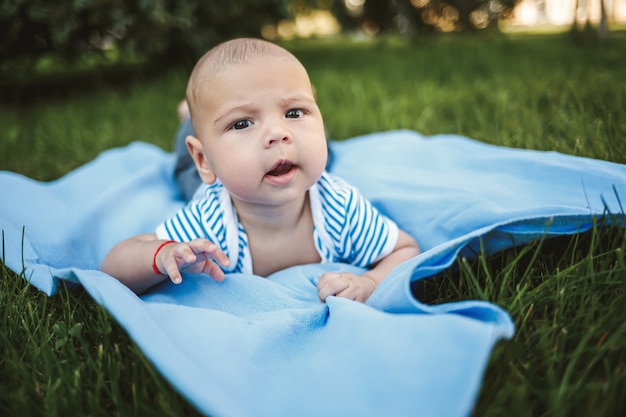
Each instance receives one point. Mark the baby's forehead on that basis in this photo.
(210, 72)
(214, 65)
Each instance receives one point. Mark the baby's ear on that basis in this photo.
(196, 150)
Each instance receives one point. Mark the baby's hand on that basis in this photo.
(346, 285)
(196, 257)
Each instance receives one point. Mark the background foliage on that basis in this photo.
(154, 28)
(177, 30)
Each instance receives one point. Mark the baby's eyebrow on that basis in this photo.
(301, 97)
(244, 108)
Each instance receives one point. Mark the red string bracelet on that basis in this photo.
(156, 252)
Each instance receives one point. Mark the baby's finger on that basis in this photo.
(331, 283)
(209, 250)
(352, 292)
(214, 270)
(171, 269)
(327, 277)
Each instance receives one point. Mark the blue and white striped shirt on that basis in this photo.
(346, 227)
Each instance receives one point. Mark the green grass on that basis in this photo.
(64, 355)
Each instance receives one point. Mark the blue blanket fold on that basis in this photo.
(253, 346)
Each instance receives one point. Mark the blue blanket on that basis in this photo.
(252, 346)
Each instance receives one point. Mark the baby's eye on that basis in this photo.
(294, 114)
(241, 124)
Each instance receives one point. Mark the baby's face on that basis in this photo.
(262, 131)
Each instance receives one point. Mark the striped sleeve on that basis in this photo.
(361, 235)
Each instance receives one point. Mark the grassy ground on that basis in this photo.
(65, 356)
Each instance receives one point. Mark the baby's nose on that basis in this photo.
(277, 134)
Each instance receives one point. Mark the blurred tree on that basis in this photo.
(172, 29)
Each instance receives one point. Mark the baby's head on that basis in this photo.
(255, 117)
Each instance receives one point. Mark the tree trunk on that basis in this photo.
(575, 22)
(603, 28)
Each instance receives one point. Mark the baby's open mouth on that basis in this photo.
(281, 168)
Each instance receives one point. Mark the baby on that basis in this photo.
(266, 202)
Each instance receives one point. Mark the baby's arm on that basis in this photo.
(131, 261)
(359, 288)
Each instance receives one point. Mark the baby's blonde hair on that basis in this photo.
(231, 52)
